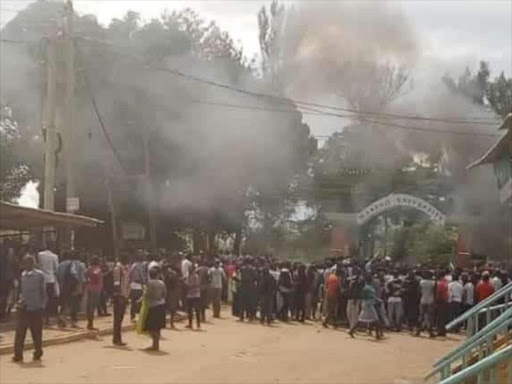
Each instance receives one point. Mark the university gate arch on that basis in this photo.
(399, 200)
(348, 228)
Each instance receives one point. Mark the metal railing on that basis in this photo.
(497, 308)
(485, 370)
(478, 346)
(482, 311)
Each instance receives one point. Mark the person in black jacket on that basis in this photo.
(267, 287)
(301, 288)
(248, 293)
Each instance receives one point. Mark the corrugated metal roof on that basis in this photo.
(503, 144)
(22, 218)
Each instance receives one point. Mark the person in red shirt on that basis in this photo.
(94, 286)
(484, 288)
(332, 288)
(441, 304)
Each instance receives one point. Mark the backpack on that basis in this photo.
(70, 279)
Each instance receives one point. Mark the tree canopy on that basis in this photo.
(208, 163)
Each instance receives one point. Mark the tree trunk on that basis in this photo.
(238, 242)
(197, 241)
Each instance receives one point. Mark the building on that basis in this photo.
(500, 156)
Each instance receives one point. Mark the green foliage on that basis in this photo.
(209, 165)
(480, 89)
(499, 94)
(423, 242)
(15, 171)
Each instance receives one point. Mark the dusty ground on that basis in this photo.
(227, 351)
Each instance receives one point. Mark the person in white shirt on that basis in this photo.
(469, 292)
(217, 277)
(48, 263)
(496, 281)
(455, 294)
(185, 266)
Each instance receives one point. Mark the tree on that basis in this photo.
(481, 90)
(15, 172)
(270, 26)
(203, 159)
(499, 94)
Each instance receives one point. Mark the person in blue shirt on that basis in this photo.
(30, 309)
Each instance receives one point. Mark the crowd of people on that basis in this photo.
(376, 295)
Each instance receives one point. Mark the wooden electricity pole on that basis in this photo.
(113, 218)
(72, 203)
(149, 192)
(49, 126)
(69, 147)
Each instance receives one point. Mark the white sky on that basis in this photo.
(464, 31)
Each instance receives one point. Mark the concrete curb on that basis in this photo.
(77, 336)
(80, 335)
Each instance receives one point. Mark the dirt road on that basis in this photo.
(227, 351)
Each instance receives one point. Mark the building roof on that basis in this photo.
(503, 145)
(15, 217)
(507, 122)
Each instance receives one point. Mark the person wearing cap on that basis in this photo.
(484, 288)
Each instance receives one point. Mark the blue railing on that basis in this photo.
(480, 344)
(496, 313)
(485, 369)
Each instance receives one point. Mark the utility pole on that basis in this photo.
(70, 94)
(113, 218)
(49, 126)
(72, 203)
(149, 192)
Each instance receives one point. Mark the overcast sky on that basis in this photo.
(460, 31)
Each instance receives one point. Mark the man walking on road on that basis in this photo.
(121, 277)
(30, 310)
(217, 276)
(48, 263)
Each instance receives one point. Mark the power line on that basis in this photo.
(337, 115)
(97, 112)
(13, 41)
(298, 102)
(289, 100)
(312, 110)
